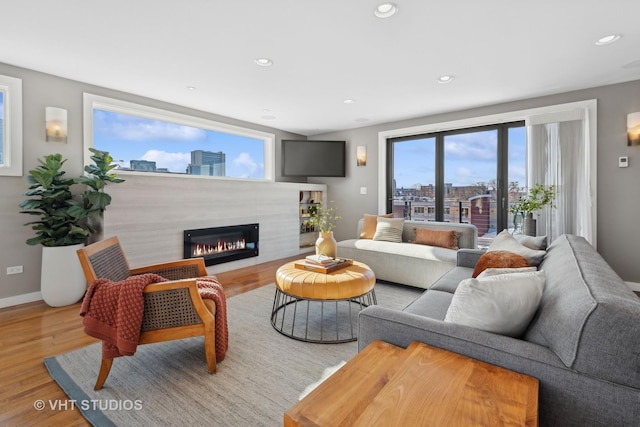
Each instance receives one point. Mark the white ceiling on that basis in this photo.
(326, 51)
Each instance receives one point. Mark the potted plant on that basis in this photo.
(539, 197)
(94, 199)
(324, 221)
(62, 227)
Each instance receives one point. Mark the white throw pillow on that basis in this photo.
(503, 304)
(389, 229)
(487, 272)
(505, 242)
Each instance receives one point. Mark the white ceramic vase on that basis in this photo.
(62, 281)
(326, 244)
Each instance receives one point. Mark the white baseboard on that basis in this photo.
(634, 286)
(20, 299)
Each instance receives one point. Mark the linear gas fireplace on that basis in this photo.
(222, 244)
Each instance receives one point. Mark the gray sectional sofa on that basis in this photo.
(583, 343)
(408, 263)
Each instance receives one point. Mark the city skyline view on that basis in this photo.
(470, 158)
(169, 145)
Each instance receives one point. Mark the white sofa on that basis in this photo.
(409, 263)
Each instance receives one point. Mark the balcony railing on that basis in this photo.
(480, 211)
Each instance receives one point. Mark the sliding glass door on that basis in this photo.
(462, 176)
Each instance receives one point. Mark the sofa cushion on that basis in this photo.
(499, 259)
(441, 238)
(506, 242)
(369, 225)
(502, 304)
(401, 249)
(432, 304)
(450, 281)
(389, 229)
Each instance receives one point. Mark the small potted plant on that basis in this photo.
(539, 197)
(324, 220)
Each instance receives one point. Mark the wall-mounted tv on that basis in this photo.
(313, 158)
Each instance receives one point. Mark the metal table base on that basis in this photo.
(292, 316)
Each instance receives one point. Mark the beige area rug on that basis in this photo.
(263, 374)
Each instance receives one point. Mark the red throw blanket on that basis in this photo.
(112, 312)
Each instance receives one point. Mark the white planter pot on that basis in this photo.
(62, 281)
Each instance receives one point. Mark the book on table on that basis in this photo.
(320, 260)
(337, 263)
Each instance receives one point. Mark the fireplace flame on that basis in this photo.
(220, 246)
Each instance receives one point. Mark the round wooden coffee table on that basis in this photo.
(318, 307)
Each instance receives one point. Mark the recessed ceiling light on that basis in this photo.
(349, 101)
(445, 79)
(385, 10)
(263, 62)
(191, 87)
(607, 39)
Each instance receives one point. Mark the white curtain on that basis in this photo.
(558, 154)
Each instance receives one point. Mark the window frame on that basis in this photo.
(509, 116)
(92, 101)
(439, 137)
(12, 149)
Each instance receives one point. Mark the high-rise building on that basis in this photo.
(143, 165)
(207, 163)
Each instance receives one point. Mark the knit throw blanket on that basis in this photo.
(113, 311)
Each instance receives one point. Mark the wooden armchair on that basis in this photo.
(172, 309)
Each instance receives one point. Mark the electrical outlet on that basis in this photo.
(16, 269)
(363, 190)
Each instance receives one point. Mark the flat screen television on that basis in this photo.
(313, 158)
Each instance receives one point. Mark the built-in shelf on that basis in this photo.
(309, 201)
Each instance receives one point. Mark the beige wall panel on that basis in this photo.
(149, 214)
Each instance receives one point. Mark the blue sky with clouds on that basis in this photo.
(470, 158)
(128, 138)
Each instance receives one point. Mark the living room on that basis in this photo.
(615, 186)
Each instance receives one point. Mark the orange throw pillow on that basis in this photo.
(441, 238)
(499, 259)
(370, 224)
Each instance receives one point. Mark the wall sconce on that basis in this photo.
(56, 124)
(361, 155)
(633, 129)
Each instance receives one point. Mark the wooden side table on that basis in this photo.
(420, 386)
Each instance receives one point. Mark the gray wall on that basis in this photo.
(618, 234)
(618, 198)
(39, 91)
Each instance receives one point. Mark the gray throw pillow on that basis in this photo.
(505, 242)
(536, 243)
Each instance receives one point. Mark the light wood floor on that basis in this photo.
(31, 332)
